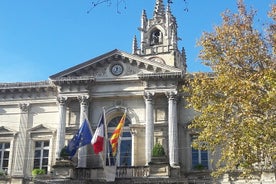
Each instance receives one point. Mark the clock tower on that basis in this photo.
(159, 38)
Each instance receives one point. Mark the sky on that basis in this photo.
(39, 38)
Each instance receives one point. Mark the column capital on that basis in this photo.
(148, 95)
(83, 99)
(172, 95)
(24, 107)
(133, 131)
(61, 100)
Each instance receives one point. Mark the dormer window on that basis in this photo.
(156, 37)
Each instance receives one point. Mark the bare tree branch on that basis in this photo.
(120, 3)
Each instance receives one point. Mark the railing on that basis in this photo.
(83, 173)
(121, 172)
(132, 172)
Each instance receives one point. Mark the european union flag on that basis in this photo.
(81, 138)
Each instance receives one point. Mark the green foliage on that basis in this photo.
(2, 173)
(158, 150)
(199, 167)
(64, 154)
(237, 105)
(36, 172)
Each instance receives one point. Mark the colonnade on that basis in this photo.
(172, 127)
(60, 142)
(149, 127)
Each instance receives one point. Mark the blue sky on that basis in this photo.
(39, 38)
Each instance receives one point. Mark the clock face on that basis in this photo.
(117, 69)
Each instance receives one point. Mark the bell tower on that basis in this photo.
(159, 38)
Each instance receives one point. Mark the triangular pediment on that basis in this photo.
(6, 131)
(40, 129)
(101, 67)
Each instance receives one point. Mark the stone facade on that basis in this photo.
(38, 119)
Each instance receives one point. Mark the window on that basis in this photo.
(125, 144)
(156, 37)
(125, 151)
(199, 158)
(4, 155)
(41, 155)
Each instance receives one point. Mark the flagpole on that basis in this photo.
(106, 137)
(85, 117)
(120, 139)
(101, 153)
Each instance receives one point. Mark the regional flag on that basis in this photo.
(98, 137)
(81, 138)
(116, 135)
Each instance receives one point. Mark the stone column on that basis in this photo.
(60, 141)
(82, 155)
(172, 128)
(21, 145)
(149, 126)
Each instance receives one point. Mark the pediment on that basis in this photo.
(101, 67)
(40, 129)
(6, 131)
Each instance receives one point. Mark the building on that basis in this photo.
(38, 119)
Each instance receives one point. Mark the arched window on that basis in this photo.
(156, 37)
(125, 145)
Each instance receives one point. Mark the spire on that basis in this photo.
(168, 14)
(170, 17)
(184, 64)
(168, 8)
(159, 9)
(134, 45)
(144, 14)
(144, 20)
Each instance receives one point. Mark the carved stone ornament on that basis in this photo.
(172, 95)
(61, 100)
(148, 96)
(24, 107)
(83, 100)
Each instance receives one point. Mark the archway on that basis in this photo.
(124, 152)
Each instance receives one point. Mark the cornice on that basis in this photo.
(25, 85)
(26, 90)
(72, 80)
(210, 75)
(159, 76)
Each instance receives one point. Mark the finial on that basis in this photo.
(134, 45)
(159, 9)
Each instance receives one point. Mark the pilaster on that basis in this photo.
(22, 146)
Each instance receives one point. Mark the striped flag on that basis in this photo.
(98, 137)
(116, 135)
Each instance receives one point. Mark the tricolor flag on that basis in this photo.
(81, 138)
(98, 137)
(116, 135)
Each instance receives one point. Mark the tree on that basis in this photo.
(236, 103)
(120, 3)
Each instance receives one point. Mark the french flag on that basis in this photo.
(98, 137)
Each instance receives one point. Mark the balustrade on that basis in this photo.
(122, 172)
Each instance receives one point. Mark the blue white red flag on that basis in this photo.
(98, 137)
